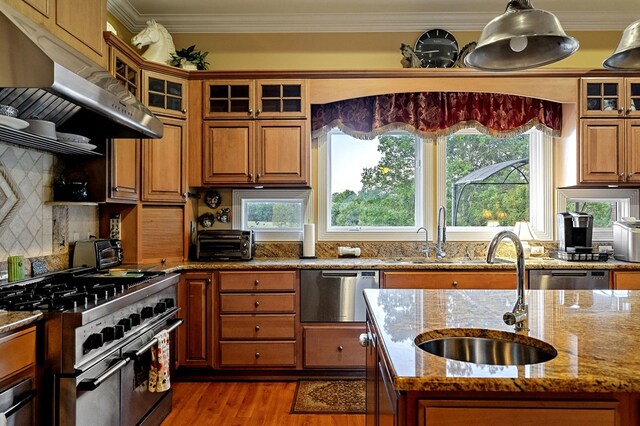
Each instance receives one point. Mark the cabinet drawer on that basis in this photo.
(257, 326)
(17, 351)
(334, 347)
(626, 280)
(257, 302)
(257, 281)
(450, 280)
(258, 354)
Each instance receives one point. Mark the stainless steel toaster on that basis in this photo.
(626, 240)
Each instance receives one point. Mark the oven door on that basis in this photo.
(17, 404)
(139, 406)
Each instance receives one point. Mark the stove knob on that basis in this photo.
(147, 312)
(94, 341)
(160, 308)
(126, 323)
(169, 303)
(119, 331)
(135, 319)
(108, 334)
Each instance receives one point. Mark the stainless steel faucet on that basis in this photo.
(442, 232)
(426, 240)
(518, 316)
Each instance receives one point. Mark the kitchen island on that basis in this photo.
(594, 379)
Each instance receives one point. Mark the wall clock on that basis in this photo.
(437, 48)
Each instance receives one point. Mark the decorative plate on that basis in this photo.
(212, 199)
(207, 220)
(70, 137)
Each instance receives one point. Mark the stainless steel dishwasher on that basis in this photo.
(568, 279)
(334, 295)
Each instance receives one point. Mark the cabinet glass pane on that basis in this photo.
(174, 88)
(594, 89)
(240, 91)
(218, 91)
(120, 67)
(291, 91)
(594, 104)
(174, 104)
(610, 89)
(156, 100)
(635, 104)
(239, 105)
(635, 89)
(610, 104)
(156, 85)
(291, 105)
(218, 105)
(271, 91)
(132, 75)
(271, 105)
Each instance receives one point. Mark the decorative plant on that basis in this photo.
(189, 54)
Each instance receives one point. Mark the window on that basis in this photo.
(274, 215)
(489, 183)
(370, 189)
(606, 206)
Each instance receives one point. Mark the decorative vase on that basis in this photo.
(187, 65)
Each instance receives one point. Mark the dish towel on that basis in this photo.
(3, 419)
(159, 371)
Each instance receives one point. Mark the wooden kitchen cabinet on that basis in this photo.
(62, 18)
(164, 94)
(261, 99)
(626, 280)
(449, 279)
(195, 337)
(258, 319)
(610, 97)
(269, 152)
(164, 177)
(333, 346)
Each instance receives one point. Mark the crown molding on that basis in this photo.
(346, 22)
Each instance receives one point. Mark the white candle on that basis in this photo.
(309, 240)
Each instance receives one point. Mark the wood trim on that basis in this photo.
(449, 279)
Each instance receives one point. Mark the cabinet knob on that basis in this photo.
(629, 174)
(257, 328)
(185, 195)
(258, 111)
(340, 348)
(258, 176)
(184, 111)
(208, 281)
(116, 189)
(250, 176)
(621, 110)
(364, 340)
(250, 111)
(455, 283)
(257, 282)
(257, 354)
(621, 175)
(257, 303)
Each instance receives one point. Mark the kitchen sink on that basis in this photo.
(482, 346)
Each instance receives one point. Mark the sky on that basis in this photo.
(353, 156)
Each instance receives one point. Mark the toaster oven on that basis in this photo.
(224, 244)
(99, 253)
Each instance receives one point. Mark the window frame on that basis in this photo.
(626, 204)
(241, 195)
(424, 193)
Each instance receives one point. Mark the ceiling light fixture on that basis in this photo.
(522, 37)
(627, 54)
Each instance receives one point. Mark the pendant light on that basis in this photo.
(627, 55)
(522, 37)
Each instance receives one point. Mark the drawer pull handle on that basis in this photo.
(340, 348)
(455, 283)
(257, 282)
(257, 328)
(257, 303)
(257, 354)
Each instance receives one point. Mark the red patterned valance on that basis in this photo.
(434, 114)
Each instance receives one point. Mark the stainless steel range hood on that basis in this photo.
(44, 78)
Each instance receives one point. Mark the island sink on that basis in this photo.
(482, 346)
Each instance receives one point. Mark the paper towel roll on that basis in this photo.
(309, 240)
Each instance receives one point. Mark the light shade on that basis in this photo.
(523, 231)
(522, 37)
(627, 54)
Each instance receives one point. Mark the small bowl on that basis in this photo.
(8, 111)
(118, 272)
(46, 129)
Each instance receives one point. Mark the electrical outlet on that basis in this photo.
(75, 237)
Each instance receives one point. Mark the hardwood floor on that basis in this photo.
(245, 403)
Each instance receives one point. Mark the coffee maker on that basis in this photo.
(575, 231)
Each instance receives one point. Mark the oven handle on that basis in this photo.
(92, 384)
(173, 324)
(24, 400)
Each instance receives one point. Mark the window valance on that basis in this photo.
(434, 114)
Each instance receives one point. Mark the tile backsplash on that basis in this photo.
(28, 226)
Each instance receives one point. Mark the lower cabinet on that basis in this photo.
(465, 279)
(626, 280)
(333, 346)
(195, 337)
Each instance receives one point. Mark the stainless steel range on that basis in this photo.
(96, 334)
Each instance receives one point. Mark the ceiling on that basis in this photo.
(297, 16)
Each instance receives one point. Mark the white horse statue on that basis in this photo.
(158, 39)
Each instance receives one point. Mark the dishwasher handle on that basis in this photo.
(569, 273)
(339, 274)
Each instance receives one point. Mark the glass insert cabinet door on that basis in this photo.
(610, 97)
(165, 95)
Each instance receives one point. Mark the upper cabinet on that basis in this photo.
(165, 95)
(255, 99)
(610, 97)
(78, 23)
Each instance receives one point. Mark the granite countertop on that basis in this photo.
(12, 320)
(596, 334)
(391, 263)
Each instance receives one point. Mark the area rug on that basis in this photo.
(330, 397)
